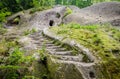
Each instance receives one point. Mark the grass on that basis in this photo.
(103, 41)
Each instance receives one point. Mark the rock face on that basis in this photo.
(39, 20)
(105, 12)
(52, 17)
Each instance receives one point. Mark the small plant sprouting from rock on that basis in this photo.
(27, 32)
(68, 11)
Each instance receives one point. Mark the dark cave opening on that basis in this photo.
(91, 74)
(51, 23)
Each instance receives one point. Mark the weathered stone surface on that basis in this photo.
(52, 17)
(86, 69)
(63, 70)
(99, 13)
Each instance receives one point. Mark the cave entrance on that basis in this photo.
(92, 75)
(51, 23)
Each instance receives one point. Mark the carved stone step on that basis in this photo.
(60, 53)
(50, 45)
(70, 58)
(60, 49)
(53, 47)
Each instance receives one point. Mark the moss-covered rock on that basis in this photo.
(59, 70)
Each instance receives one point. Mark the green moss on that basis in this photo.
(110, 69)
(27, 32)
(68, 11)
(52, 67)
(103, 41)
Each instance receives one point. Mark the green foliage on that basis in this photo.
(3, 14)
(9, 71)
(110, 69)
(79, 3)
(42, 53)
(68, 11)
(16, 5)
(13, 62)
(16, 57)
(36, 3)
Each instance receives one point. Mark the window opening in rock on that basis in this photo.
(92, 75)
(51, 23)
(58, 15)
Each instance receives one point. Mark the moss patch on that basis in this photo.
(110, 69)
(68, 11)
(103, 41)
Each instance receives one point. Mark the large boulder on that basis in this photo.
(105, 12)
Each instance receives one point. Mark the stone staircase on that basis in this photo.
(62, 55)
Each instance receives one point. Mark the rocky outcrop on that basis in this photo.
(105, 12)
(48, 18)
(61, 62)
(38, 20)
(85, 68)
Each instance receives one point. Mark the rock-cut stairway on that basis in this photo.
(62, 55)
